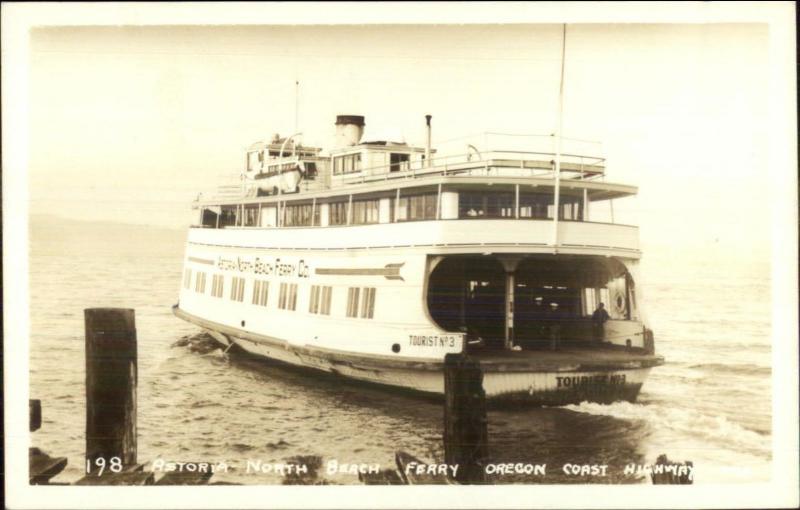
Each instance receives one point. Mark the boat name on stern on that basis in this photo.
(583, 380)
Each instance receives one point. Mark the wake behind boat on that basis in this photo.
(376, 259)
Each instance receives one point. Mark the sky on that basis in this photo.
(129, 123)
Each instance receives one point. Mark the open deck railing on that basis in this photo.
(507, 163)
(531, 164)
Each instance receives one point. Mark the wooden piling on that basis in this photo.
(465, 423)
(34, 415)
(111, 377)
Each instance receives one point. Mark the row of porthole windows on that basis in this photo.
(360, 300)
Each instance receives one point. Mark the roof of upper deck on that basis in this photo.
(524, 171)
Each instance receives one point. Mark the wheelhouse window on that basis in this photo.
(187, 278)
(216, 285)
(417, 207)
(320, 302)
(398, 162)
(260, 292)
(348, 164)
(287, 296)
(237, 289)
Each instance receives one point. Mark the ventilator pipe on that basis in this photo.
(428, 144)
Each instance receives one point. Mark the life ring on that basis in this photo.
(618, 303)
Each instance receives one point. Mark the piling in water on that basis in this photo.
(34, 415)
(111, 377)
(465, 423)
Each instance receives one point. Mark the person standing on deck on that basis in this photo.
(554, 326)
(599, 318)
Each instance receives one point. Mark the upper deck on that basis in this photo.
(369, 181)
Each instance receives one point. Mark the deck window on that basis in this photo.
(251, 215)
(200, 283)
(535, 205)
(260, 292)
(229, 216)
(540, 206)
(237, 289)
(187, 278)
(300, 215)
(485, 205)
(287, 297)
(365, 211)
(337, 213)
(417, 207)
(320, 302)
(216, 285)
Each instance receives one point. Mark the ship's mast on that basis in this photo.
(556, 198)
(296, 102)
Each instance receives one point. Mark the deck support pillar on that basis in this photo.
(510, 263)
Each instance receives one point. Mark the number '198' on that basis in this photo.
(114, 465)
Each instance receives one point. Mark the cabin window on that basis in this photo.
(300, 215)
(347, 164)
(337, 214)
(365, 211)
(418, 207)
(368, 303)
(237, 289)
(200, 283)
(398, 162)
(320, 301)
(216, 285)
(260, 292)
(287, 297)
(187, 278)
(485, 205)
(352, 301)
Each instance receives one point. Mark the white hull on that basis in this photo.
(549, 387)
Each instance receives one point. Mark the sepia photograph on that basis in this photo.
(400, 255)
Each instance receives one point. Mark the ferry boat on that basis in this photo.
(377, 258)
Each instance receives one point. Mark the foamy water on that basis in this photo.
(709, 404)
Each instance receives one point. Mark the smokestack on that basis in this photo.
(349, 129)
(428, 144)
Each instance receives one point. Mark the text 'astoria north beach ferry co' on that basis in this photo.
(375, 259)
